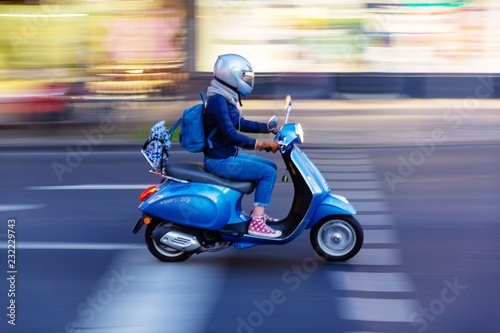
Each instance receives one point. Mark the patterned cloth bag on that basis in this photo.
(155, 149)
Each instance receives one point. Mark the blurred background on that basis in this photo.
(76, 61)
(399, 101)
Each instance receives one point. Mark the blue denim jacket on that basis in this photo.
(226, 117)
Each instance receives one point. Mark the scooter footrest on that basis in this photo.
(235, 229)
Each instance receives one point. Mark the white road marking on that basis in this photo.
(370, 206)
(346, 185)
(329, 155)
(373, 309)
(380, 237)
(361, 161)
(371, 282)
(349, 176)
(362, 195)
(345, 168)
(335, 151)
(374, 219)
(90, 187)
(28, 245)
(361, 332)
(364, 186)
(160, 298)
(390, 257)
(14, 207)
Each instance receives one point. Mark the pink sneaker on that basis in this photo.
(268, 218)
(259, 228)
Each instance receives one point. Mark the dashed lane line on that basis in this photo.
(374, 219)
(384, 236)
(377, 257)
(354, 161)
(33, 245)
(332, 156)
(371, 282)
(370, 206)
(353, 176)
(19, 207)
(353, 185)
(347, 168)
(361, 195)
(376, 309)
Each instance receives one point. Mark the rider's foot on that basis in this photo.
(258, 227)
(268, 219)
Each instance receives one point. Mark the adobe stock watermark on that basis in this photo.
(421, 318)
(292, 279)
(92, 138)
(88, 310)
(453, 119)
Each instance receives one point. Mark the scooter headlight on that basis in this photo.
(300, 132)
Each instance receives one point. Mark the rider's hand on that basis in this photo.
(272, 145)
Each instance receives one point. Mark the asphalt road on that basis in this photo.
(430, 262)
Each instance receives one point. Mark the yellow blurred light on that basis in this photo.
(137, 71)
(43, 15)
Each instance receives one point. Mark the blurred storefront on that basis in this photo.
(53, 54)
(352, 35)
(57, 56)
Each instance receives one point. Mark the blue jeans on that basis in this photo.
(247, 167)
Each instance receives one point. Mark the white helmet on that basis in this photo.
(236, 72)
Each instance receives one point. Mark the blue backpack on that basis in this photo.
(192, 134)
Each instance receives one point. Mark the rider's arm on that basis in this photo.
(253, 126)
(218, 110)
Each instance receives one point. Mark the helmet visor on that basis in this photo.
(248, 77)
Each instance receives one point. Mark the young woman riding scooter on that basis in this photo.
(233, 78)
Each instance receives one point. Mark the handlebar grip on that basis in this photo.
(268, 149)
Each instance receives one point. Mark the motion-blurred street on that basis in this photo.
(429, 263)
(399, 102)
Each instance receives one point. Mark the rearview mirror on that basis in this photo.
(272, 123)
(288, 107)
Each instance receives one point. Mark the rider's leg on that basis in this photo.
(250, 169)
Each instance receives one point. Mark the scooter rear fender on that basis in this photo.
(331, 204)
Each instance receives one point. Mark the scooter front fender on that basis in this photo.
(331, 204)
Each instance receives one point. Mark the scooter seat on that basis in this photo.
(196, 173)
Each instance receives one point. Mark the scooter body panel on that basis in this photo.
(204, 206)
(331, 204)
(300, 167)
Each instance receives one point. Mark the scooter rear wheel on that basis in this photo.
(160, 251)
(337, 237)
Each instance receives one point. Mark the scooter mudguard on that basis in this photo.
(204, 206)
(331, 204)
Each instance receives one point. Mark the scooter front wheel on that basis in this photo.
(160, 251)
(337, 237)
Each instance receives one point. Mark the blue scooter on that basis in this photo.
(194, 211)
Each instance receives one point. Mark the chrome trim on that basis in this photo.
(180, 241)
(169, 177)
